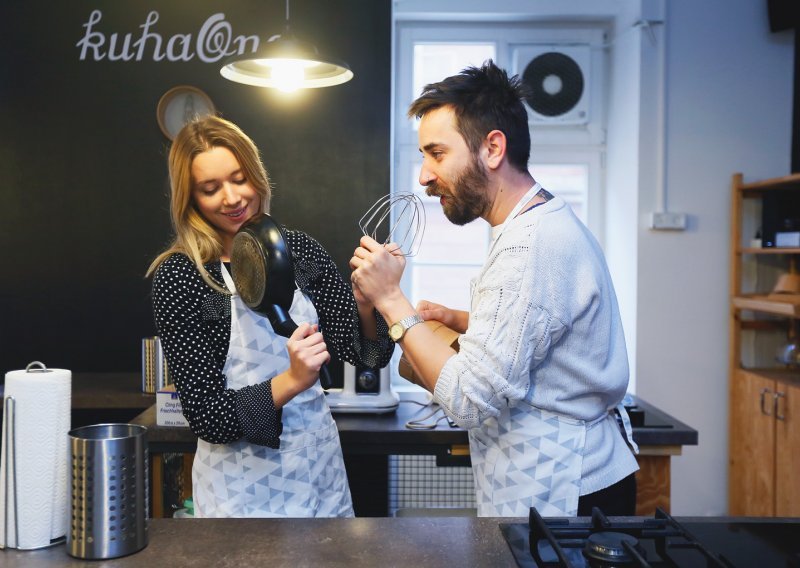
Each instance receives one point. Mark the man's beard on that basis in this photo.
(465, 199)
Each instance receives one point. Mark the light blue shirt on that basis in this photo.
(544, 327)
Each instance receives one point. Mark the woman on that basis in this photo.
(267, 444)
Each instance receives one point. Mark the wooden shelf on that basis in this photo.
(773, 184)
(760, 303)
(769, 250)
(764, 403)
(764, 324)
(780, 374)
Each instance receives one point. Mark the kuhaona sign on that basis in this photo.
(214, 40)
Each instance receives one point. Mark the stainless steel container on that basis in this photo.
(108, 491)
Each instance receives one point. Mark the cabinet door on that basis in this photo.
(752, 443)
(787, 451)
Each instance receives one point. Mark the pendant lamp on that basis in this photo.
(286, 63)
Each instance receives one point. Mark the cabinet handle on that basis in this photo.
(778, 415)
(763, 402)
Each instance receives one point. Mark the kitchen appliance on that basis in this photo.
(263, 273)
(365, 390)
(655, 541)
(108, 493)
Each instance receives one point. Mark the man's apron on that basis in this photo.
(528, 457)
(306, 476)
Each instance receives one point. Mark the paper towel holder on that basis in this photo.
(42, 367)
(9, 444)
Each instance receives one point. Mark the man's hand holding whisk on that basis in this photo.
(378, 262)
(377, 269)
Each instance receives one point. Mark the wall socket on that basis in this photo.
(663, 221)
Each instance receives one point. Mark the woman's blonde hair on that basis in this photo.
(194, 236)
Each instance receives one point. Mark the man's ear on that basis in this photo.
(496, 149)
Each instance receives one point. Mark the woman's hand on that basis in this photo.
(307, 354)
(457, 320)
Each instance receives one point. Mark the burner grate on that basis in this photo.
(619, 542)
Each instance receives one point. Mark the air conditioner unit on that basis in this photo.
(557, 78)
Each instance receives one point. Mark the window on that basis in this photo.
(450, 255)
(565, 158)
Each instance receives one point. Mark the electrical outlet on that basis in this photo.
(664, 221)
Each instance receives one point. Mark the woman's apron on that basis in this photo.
(306, 476)
(528, 457)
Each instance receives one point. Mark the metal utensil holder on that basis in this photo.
(10, 454)
(109, 491)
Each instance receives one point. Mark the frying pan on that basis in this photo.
(263, 273)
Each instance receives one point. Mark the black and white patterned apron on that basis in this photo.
(529, 457)
(306, 476)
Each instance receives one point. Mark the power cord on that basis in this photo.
(421, 424)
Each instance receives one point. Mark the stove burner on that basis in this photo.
(608, 548)
(619, 542)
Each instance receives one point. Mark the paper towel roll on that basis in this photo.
(42, 400)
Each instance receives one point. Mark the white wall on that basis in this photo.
(721, 104)
(728, 109)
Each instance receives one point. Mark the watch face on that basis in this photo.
(396, 331)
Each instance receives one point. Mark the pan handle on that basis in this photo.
(284, 325)
(325, 380)
(281, 321)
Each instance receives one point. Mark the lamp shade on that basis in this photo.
(286, 63)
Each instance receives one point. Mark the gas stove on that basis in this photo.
(661, 540)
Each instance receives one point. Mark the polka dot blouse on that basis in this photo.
(194, 324)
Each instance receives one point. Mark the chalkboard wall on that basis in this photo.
(83, 160)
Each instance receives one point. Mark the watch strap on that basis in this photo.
(408, 322)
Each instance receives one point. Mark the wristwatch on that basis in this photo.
(399, 329)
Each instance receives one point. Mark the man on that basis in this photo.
(542, 364)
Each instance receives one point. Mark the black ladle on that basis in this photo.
(263, 273)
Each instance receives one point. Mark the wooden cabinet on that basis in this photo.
(764, 415)
(787, 453)
(765, 441)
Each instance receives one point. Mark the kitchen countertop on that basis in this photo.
(296, 543)
(350, 543)
(387, 433)
(123, 391)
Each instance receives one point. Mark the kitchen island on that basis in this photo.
(369, 439)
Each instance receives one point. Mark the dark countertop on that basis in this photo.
(349, 543)
(387, 433)
(365, 542)
(123, 391)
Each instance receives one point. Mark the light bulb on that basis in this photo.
(288, 74)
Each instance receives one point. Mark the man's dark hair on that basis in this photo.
(484, 99)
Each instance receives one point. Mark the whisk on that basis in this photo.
(408, 212)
